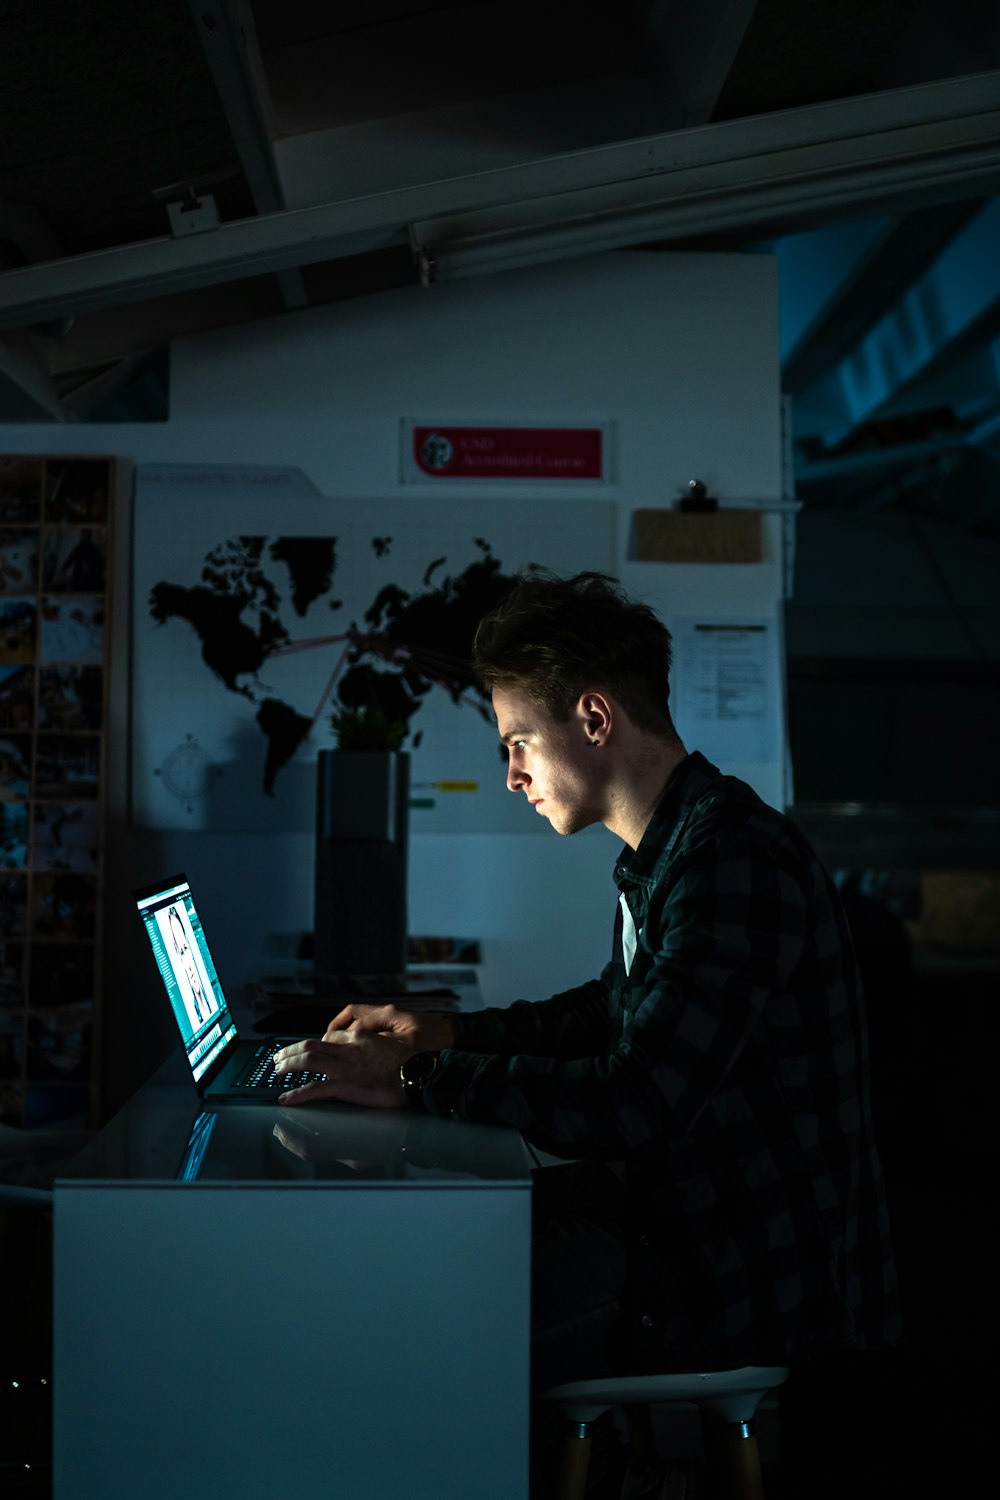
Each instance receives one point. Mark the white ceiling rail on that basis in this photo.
(940, 140)
(803, 199)
(884, 152)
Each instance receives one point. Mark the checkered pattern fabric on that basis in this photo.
(728, 1071)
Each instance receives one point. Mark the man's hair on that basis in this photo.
(553, 638)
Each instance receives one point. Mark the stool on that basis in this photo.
(727, 1401)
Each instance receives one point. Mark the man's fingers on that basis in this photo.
(347, 1017)
(306, 1091)
(312, 1054)
(327, 1057)
(353, 1018)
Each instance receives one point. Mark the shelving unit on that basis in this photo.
(55, 528)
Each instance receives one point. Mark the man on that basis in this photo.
(725, 1205)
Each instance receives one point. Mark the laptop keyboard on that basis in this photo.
(261, 1073)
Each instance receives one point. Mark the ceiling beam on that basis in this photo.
(137, 328)
(986, 433)
(687, 52)
(940, 141)
(896, 256)
(81, 399)
(22, 362)
(24, 227)
(817, 273)
(932, 322)
(899, 456)
(228, 37)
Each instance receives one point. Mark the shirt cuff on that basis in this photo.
(453, 1076)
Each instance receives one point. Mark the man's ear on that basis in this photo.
(595, 714)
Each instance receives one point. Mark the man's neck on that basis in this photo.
(640, 786)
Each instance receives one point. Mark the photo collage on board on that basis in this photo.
(55, 516)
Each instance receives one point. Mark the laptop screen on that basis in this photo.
(197, 1146)
(178, 942)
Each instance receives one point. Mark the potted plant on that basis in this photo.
(367, 727)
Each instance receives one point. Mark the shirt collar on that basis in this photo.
(686, 785)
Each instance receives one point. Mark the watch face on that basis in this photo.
(418, 1069)
(415, 1072)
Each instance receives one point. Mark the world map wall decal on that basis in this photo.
(408, 644)
(262, 606)
(188, 773)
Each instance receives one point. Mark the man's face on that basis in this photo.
(553, 764)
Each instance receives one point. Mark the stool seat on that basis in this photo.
(733, 1395)
(727, 1401)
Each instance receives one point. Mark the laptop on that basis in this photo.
(223, 1067)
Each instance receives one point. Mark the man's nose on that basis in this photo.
(516, 777)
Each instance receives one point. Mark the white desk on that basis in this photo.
(335, 1304)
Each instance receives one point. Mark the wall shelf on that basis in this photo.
(55, 521)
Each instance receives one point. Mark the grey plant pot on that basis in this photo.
(362, 823)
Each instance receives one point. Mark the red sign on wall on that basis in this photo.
(535, 453)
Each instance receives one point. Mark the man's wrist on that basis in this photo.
(435, 1034)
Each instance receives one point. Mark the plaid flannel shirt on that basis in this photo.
(727, 1068)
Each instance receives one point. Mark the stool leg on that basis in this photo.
(741, 1461)
(575, 1462)
(733, 1459)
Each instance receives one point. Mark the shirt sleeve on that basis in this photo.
(719, 940)
(573, 1023)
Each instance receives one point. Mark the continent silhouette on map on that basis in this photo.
(427, 637)
(229, 646)
(233, 585)
(409, 643)
(311, 561)
(284, 730)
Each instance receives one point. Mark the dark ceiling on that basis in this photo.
(167, 167)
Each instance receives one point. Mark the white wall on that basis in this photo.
(679, 351)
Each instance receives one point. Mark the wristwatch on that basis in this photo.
(415, 1072)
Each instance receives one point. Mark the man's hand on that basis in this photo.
(420, 1033)
(354, 1140)
(361, 1067)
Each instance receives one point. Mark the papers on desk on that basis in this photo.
(306, 1003)
(371, 988)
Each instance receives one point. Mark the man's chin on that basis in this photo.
(566, 823)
